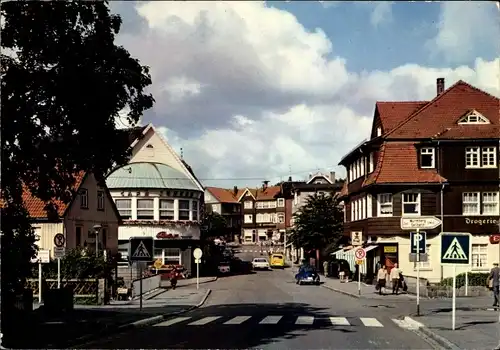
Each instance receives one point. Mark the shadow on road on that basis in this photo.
(216, 334)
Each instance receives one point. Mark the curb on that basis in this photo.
(342, 292)
(213, 279)
(420, 329)
(84, 341)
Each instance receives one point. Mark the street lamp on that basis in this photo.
(97, 228)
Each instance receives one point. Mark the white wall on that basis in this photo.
(126, 231)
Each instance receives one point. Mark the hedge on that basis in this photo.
(475, 279)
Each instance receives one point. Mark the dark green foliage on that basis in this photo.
(475, 279)
(213, 225)
(318, 224)
(63, 83)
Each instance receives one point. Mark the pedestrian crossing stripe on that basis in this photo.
(141, 251)
(273, 320)
(455, 251)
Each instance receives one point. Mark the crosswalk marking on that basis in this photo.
(238, 320)
(172, 321)
(339, 321)
(371, 322)
(204, 321)
(271, 320)
(305, 320)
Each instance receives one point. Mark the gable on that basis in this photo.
(473, 117)
(246, 193)
(154, 148)
(209, 198)
(319, 179)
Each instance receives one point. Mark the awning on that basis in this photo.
(367, 249)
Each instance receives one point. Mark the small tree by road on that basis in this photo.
(318, 224)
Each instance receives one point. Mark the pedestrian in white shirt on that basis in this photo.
(394, 276)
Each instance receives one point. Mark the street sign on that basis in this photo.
(158, 264)
(455, 248)
(360, 262)
(59, 252)
(420, 222)
(360, 253)
(423, 257)
(356, 238)
(197, 261)
(197, 253)
(141, 249)
(418, 242)
(59, 240)
(43, 257)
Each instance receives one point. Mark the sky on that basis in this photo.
(255, 91)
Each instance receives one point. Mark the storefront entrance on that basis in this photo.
(389, 255)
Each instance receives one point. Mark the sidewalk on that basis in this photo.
(85, 323)
(476, 323)
(367, 291)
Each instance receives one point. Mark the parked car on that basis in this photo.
(307, 275)
(260, 263)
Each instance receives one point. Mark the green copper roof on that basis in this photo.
(149, 175)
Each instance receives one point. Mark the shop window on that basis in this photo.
(480, 256)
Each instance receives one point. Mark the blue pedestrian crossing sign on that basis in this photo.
(455, 248)
(141, 249)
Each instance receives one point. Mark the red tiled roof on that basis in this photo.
(445, 110)
(269, 193)
(224, 195)
(36, 207)
(393, 113)
(398, 163)
(470, 131)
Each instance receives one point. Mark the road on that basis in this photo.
(267, 310)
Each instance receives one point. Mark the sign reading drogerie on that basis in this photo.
(420, 222)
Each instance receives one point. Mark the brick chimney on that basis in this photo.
(264, 185)
(289, 179)
(332, 176)
(235, 190)
(440, 86)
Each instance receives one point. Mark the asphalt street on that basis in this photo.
(267, 310)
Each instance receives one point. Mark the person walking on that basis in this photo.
(494, 282)
(325, 268)
(381, 278)
(394, 277)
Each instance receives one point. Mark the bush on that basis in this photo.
(475, 279)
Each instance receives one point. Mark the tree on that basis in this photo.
(64, 82)
(213, 225)
(318, 224)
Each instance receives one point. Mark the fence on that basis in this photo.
(476, 287)
(148, 284)
(87, 291)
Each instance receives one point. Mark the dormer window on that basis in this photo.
(149, 146)
(474, 117)
(379, 131)
(427, 158)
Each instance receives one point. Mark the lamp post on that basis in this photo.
(97, 228)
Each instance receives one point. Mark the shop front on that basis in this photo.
(173, 250)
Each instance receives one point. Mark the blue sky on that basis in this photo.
(250, 90)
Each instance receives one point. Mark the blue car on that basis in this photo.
(307, 275)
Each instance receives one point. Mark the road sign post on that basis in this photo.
(141, 249)
(455, 250)
(43, 257)
(197, 253)
(419, 223)
(59, 252)
(360, 255)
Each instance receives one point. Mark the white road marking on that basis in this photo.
(271, 320)
(172, 321)
(238, 320)
(339, 321)
(204, 321)
(400, 323)
(305, 320)
(371, 322)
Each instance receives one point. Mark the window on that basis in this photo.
(248, 219)
(425, 264)
(355, 210)
(480, 256)
(172, 256)
(145, 209)
(489, 157)
(384, 204)
(166, 209)
(472, 157)
(281, 202)
(78, 236)
(362, 162)
(490, 203)
(267, 218)
(371, 164)
(358, 168)
(259, 218)
(215, 208)
(183, 209)
(474, 118)
(248, 205)
(379, 131)
(427, 159)
(84, 198)
(281, 218)
(194, 209)
(351, 175)
(100, 200)
(470, 203)
(124, 207)
(369, 206)
(352, 211)
(411, 204)
(363, 208)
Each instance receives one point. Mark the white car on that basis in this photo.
(260, 263)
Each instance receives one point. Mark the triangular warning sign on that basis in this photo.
(141, 251)
(455, 251)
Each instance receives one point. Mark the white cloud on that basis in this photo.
(248, 92)
(382, 13)
(463, 28)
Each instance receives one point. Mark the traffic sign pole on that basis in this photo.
(454, 298)
(58, 273)
(140, 285)
(418, 272)
(39, 281)
(360, 255)
(359, 280)
(197, 254)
